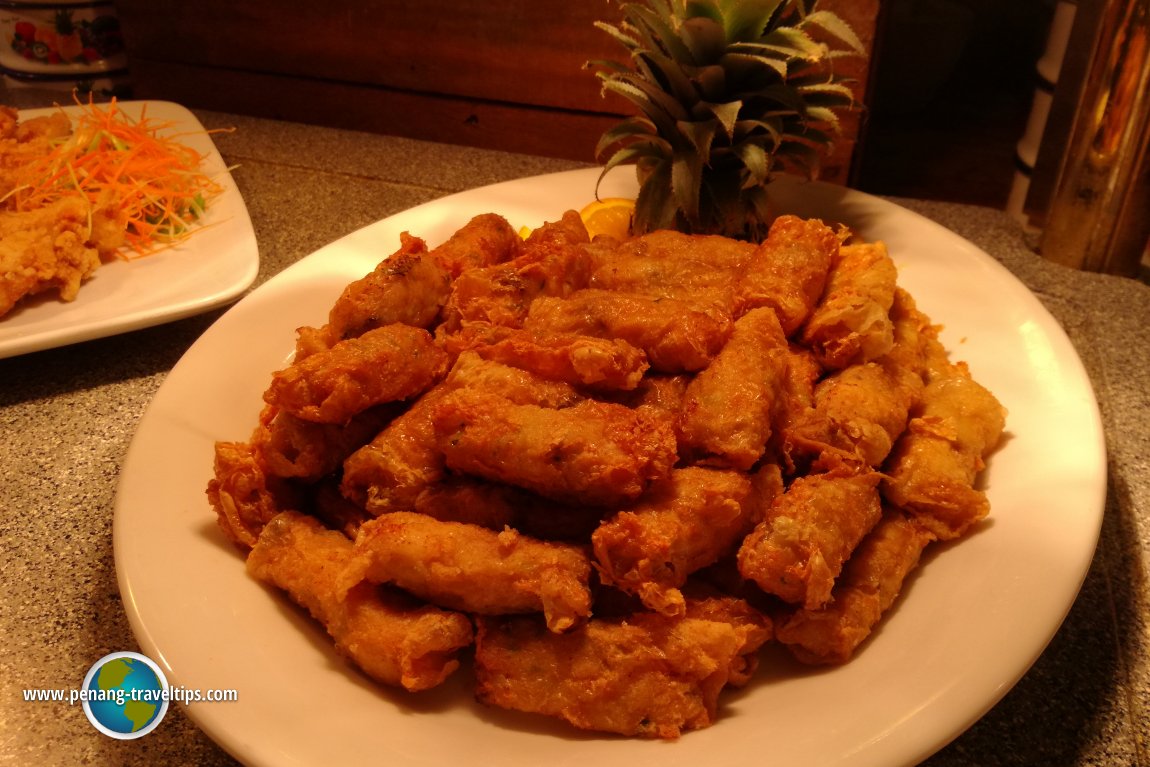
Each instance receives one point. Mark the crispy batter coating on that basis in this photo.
(485, 240)
(390, 636)
(789, 270)
(676, 335)
(858, 414)
(403, 460)
(728, 408)
(408, 287)
(647, 675)
(753, 627)
(932, 471)
(852, 324)
(551, 262)
(592, 452)
(869, 585)
(681, 524)
(471, 568)
(288, 446)
(243, 496)
(809, 531)
(387, 364)
(604, 364)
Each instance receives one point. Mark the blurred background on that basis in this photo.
(950, 91)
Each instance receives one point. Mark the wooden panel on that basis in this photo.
(491, 125)
(519, 51)
(506, 74)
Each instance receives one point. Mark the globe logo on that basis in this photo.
(125, 695)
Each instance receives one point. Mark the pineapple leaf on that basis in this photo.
(630, 129)
(700, 135)
(727, 114)
(686, 170)
(653, 206)
(634, 152)
(746, 20)
(657, 105)
(702, 9)
(741, 53)
(836, 27)
(794, 43)
(621, 37)
(757, 161)
(656, 26)
(667, 74)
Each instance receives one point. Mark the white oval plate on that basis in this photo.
(209, 269)
(970, 623)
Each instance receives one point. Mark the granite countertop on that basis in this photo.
(67, 416)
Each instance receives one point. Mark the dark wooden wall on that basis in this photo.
(501, 74)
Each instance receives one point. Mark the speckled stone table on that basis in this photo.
(67, 416)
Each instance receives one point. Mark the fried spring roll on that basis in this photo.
(408, 288)
(933, 468)
(809, 531)
(292, 447)
(681, 524)
(916, 345)
(470, 568)
(551, 263)
(592, 452)
(869, 585)
(242, 494)
(852, 324)
(486, 240)
(646, 675)
(388, 364)
(728, 408)
(677, 336)
(404, 459)
(754, 628)
(580, 360)
(858, 414)
(789, 269)
(387, 634)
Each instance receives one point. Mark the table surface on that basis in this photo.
(67, 416)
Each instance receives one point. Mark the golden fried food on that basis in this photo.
(597, 453)
(243, 496)
(551, 262)
(605, 364)
(677, 336)
(389, 635)
(683, 523)
(789, 270)
(631, 464)
(857, 415)
(388, 364)
(935, 463)
(649, 675)
(799, 548)
(471, 568)
(404, 460)
(852, 323)
(868, 587)
(726, 415)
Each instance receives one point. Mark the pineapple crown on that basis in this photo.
(726, 90)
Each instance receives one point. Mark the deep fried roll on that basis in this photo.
(789, 270)
(867, 588)
(242, 494)
(677, 336)
(809, 531)
(728, 408)
(851, 323)
(646, 675)
(592, 452)
(388, 364)
(486, 240)
(466, 567)
(933, 468)
(681, 524)
(390, 636)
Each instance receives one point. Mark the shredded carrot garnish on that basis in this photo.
(138, 166)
